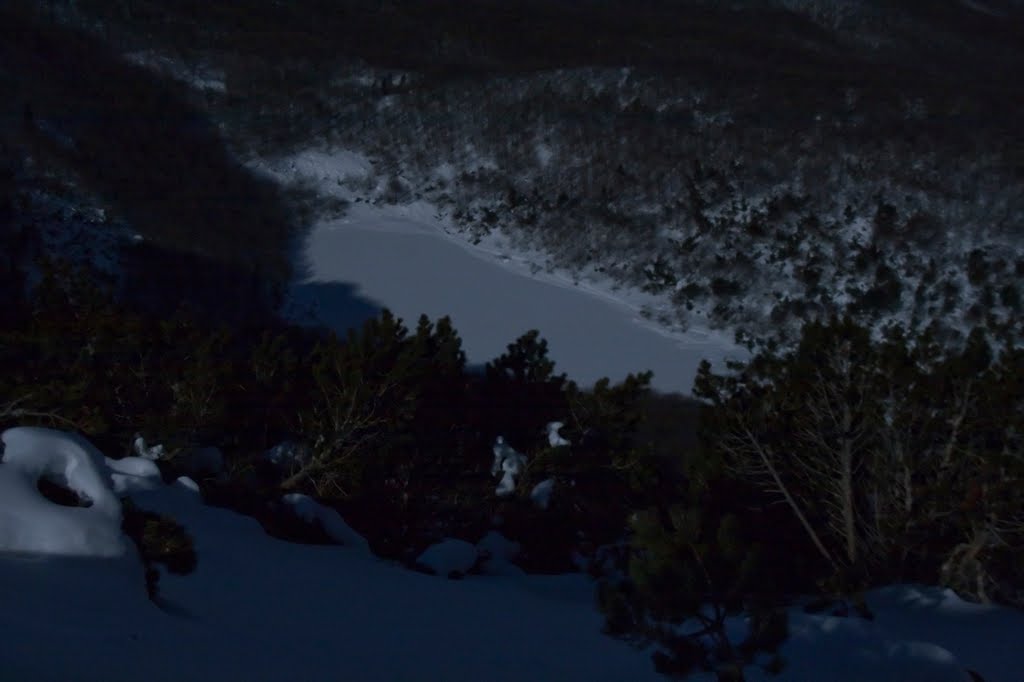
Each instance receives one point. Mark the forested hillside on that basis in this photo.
(754, 165)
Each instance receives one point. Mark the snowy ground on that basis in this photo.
(409, 259)
(258, 608)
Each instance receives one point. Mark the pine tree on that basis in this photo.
(691, 568)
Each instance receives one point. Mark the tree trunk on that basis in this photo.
(846, 489)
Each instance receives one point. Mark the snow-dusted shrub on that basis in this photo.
(310, 511)
(159, 540)
(688, 570)
(508, 464)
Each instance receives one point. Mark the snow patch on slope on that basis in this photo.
(309, 510)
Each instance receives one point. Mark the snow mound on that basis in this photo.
(860, 650)
(133, 474)
(450, 557)
(142, 450)
(31, 523)
(188, 484)
(309, 510)
(497, 553)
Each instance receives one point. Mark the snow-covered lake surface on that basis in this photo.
(406, 258)
(260, 609)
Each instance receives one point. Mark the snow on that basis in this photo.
(541, 493)
(188, 484)
(544, 154)
(286, 454)
(395, 261)
(554, 438)
(261, 609)
(30, 523)
(450, 558)
(983, 8)
(496, 554)
(410, 259)
(309, 510)
(148, 452)
(196, 76)
(133, 474)
(859, 650)
(327, 168)
(509, 464)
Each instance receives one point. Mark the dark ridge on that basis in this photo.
(137, 141)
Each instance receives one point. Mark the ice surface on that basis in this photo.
(413, 271)
(377, 251)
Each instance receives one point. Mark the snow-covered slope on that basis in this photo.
(257, 608)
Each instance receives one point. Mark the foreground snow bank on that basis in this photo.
(31, 523)
(259, 609)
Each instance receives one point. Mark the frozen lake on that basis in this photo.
(401, 259)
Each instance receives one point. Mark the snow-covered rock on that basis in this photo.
(148, 452)
(309, 510)
(497, 553)
(554, 438)
(31, 523)
(188, 484)
(509, 464)
(133, 474)
(450, 557)
(541, 493)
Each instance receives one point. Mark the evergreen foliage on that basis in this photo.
(521, 392)
(159, 540)
(689, 571)
(873, 446)
(708, 551)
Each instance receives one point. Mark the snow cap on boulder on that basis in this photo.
(31, 523)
